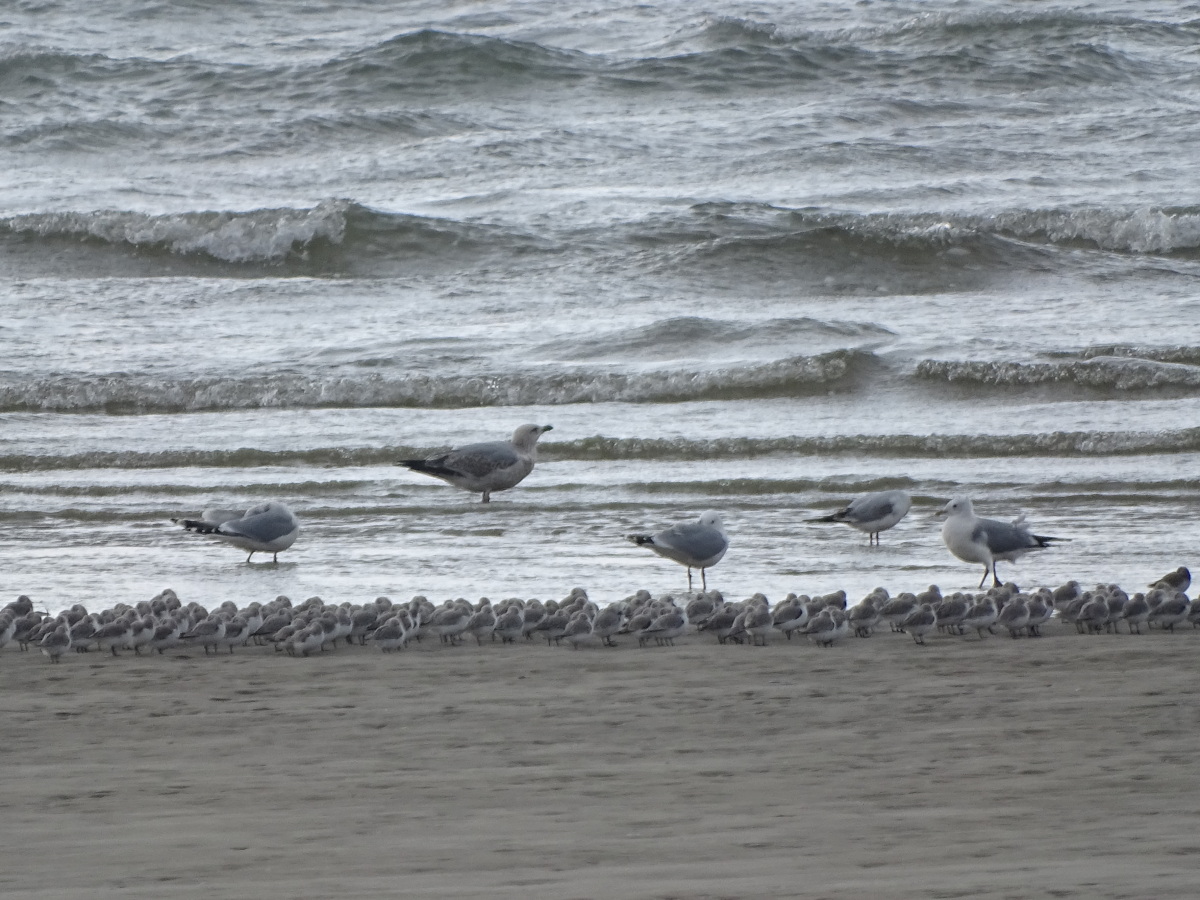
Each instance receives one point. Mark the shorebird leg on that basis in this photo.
(487, 497)
(249, 557)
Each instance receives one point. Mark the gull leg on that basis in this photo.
(487, 497)
(703, 580)
(248, 558)
(985, 575)
(690, 578)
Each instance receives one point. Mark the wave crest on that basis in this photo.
(126, 394)
(264, 235)
(1110, 373)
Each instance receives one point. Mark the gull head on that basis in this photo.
(959, 506)
(526, 436)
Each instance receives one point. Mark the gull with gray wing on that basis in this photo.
(873, 513)
(987, 541)
(267, 528)
(486, 467)
(697, 545)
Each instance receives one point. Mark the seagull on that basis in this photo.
(987, 541)
(873, 513)
(486, 467)
(697, 545)
(266, 528)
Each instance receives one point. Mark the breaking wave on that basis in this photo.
(1104, 373)
(795, 376)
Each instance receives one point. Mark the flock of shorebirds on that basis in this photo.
(166, 623)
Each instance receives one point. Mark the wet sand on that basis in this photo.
(1064, 766)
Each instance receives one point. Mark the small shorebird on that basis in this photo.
(1014, 616)
(899, 608)
(825, 628)
(789, 615)
(389, 636)
(207, 633)
(982, 616)
(1179, 580)
(578, 631)
(482, 624)
(510, 625)
(112, 635)
(1136, 613)
(56, 643)
(1172, 610)
(864, 616)
(758, 623)
(920, 622)
(609, 621)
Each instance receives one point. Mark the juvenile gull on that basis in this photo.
(873, 513)
(987, 541)
(485, 467)
(697, 545)
(266, 528)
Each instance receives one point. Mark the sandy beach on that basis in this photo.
(1056, 767)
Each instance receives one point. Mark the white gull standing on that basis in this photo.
(873, 513)
(987, 541)
(697, 545)
(267, 528)
(485, 467)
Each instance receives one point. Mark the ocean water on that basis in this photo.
(752, 257)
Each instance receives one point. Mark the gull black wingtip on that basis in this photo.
(832, 517)
(197, 525)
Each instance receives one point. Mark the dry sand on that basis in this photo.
(1064, 766)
